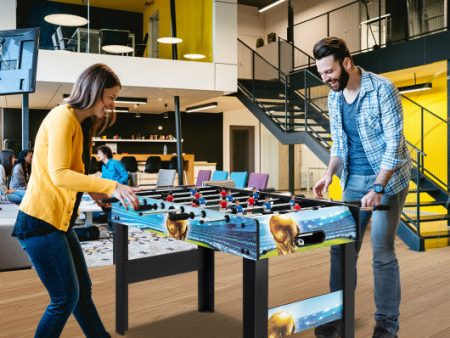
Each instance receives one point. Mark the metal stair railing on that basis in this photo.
(418, 159)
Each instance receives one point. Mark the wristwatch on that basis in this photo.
(378, 188)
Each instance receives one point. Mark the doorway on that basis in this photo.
(242, 148)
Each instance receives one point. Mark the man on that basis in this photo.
(111, 168)
(366, 122)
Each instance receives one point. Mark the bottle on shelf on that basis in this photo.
(165, 149)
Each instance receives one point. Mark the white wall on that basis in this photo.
(64, 67)
(251, 25)
(315, 165)
(7, 14)
(239, 117)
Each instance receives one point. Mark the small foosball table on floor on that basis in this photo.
(253, 225)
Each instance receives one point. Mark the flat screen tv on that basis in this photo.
(18, 60)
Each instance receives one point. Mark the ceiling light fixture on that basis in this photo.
(138, 115)
(69, 20)
(166, 115)
(193, 56)
(270, 5)
(117, 49)
(131, 100)
(201, 107)
(416, 87)
(121, 110)
(169, 40)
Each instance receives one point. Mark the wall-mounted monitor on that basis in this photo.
(18, 60)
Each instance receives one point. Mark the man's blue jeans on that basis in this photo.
(60, 264)
(384, 262)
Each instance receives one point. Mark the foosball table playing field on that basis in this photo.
(253, 225)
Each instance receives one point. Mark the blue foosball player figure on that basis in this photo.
(229, 196)
(267, 205)
(255, 194)
(201, 200)
(292, 201)
(193, 191)
(238, 207)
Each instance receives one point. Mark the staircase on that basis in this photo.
(293, 107)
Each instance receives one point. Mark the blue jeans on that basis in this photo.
(16, 196)
(60, 264)
(384, 261)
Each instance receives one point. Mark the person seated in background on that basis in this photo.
(21, 170)
(6, 163)
(111, 169)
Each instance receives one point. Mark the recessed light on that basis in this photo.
(194, 56)
(169, 40)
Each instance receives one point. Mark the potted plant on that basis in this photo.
(259, 42)
(271, 37)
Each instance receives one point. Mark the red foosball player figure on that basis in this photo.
(195, 203)
(169, 197)
(251, 201)
(197, 195)
(297, 207)
(223, 203)
(223, 193)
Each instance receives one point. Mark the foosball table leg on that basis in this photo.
(349, 285)
(206, 280)
(121, 252)
(256, 295)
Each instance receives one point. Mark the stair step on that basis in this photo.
(427, 190)
(430, 218)
(295, 116)
(425, 204)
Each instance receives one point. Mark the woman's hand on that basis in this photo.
(97, 197)
(127, 195)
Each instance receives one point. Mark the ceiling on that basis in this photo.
(423, 73)
(140, 5)
(123, 5)
(49, 95)
(255, 3)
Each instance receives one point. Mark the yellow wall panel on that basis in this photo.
(194, 26)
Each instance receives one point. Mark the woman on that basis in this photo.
(6, 160)
(20, 173)
(48, 211)
(111, 168)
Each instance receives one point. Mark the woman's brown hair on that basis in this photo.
(89, 87)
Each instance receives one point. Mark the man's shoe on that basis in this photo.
(381, 332)
(329, 330)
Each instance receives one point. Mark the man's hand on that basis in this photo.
(371, 199)
(322, 185)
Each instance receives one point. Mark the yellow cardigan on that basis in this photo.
(58, 170)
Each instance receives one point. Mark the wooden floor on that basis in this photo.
(166, 308)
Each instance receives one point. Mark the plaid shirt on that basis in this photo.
(380, 127)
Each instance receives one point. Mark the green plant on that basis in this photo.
(259, 42)
(271, 37)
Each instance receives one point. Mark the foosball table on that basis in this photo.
(253, 225)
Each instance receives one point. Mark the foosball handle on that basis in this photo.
(181, 217)
(109, 200)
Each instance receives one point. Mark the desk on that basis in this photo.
(12, 255)
(188, 162)
(88, 206)
(79, 40)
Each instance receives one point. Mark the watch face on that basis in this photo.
(378, 188)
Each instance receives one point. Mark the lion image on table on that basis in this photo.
(177, 229)
(284, 231)
(281, 324)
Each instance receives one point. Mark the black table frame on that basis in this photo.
(255, 282)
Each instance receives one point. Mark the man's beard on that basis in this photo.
(342, 80)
